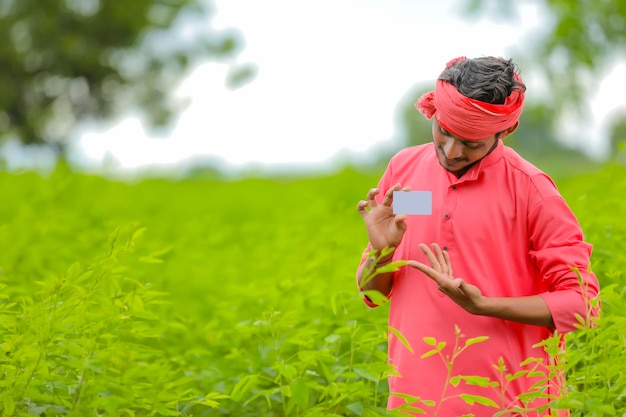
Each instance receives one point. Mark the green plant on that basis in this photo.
(236, 298)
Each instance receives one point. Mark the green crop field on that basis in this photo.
(207, 297)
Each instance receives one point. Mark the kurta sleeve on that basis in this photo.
(366, 299)
(562, 258)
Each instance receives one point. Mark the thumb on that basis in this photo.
(459, 284)
(400, 222)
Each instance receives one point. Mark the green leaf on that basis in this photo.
(363, 373)
(241, 388)
(376, 297)
(299, 393)
(430, 340)
(391, 267)
(164, 411)
(474, 340)
(150, 260)
(515, 376)
(9, 406)
(289, 372)
(429, 353)
(472, 399)
(211, 399)
(357, 408)
(401, 338)
(531, 360)
(479, 381)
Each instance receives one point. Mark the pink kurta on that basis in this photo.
(510, 233)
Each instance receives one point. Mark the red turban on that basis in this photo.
(468, 118)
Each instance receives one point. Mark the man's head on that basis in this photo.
(475, 103)
(487, 79)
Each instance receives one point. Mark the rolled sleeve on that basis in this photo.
(366, 299)
(566, 306)
(562, 259)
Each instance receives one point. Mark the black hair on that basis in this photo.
(489, 79)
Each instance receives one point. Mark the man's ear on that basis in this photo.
(509, 131)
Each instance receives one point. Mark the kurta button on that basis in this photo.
(454, 187)
(445, 248)
(447, 216)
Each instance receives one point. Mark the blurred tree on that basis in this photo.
(580, 41)
(416, 129)
(535, 134)
(67, 61)
(618, 132)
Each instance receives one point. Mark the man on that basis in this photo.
(521, 267)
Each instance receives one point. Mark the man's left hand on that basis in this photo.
(440, 270)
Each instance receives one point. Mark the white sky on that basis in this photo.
(330, 75)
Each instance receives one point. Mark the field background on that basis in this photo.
(214, 297)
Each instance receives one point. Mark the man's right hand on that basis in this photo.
(384, 228)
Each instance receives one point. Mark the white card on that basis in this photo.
(413, 202)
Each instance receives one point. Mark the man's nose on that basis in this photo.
(453, 149)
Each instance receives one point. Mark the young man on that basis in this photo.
(516, 247)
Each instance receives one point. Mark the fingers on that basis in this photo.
(444, 284)
(440, 269)
(425, 269)
(444, 263)
(446, 257)
(439, 259)
(371, 201)
(432, 258)
(371, 196)
(432, 273)
(388, 200)
(362, 207)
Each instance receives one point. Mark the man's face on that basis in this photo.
(457, 154)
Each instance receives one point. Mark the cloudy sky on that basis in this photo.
(330, 75)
